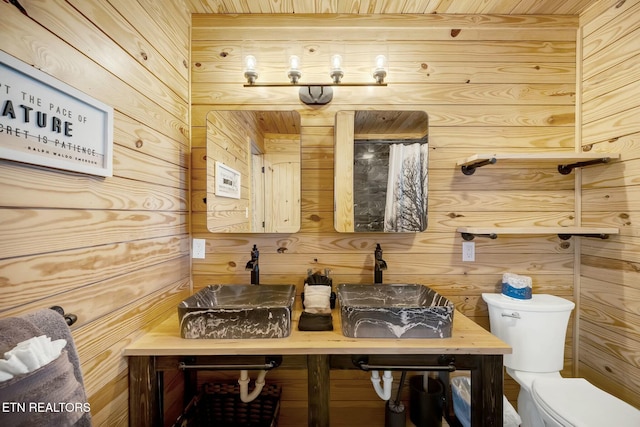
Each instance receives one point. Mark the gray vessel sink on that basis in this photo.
(394, 311)
(237, 312)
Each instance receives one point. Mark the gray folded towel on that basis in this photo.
(49, 396)
(59, 382)
(14, 330)
(53, 325)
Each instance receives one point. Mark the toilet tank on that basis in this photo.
(535, 329)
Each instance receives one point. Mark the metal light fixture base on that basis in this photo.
(316, 95)
(336, 76)
(294, 76)
(379, 76)
(251, 76)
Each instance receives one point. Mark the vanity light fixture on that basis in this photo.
(314, 93)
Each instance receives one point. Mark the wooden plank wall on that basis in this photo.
(114, 251)
(490, 83)
(609, 328)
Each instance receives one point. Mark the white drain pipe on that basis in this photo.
(384, 393)
(245, 396)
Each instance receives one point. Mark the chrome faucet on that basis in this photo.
(253, 266)
(379, 265)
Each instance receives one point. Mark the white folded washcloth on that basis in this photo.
(317, 298)
(516, 280)
(29, 355)
(516, 286)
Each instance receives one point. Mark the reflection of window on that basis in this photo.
(390, 186)
(406, 203)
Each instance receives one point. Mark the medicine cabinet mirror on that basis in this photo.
(253, 171)
(380, 171)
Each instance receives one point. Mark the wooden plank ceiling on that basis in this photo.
(507, 7)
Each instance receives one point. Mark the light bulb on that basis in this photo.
(336, 68)
(250, 72)
(380, 70)
(294, 62)
(250, 63)
(294, 73)
(336, 62)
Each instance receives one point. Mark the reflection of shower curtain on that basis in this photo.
(406, 204)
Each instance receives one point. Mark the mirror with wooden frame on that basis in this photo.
(253, 171)
(380, 171)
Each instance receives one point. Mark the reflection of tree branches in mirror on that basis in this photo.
(409, 211)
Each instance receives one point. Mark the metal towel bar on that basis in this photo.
(363, 363)
(69, 318)
(270, 363)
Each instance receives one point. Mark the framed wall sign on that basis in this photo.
(46, 122)
(227, 181)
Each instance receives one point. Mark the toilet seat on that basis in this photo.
(576, 402)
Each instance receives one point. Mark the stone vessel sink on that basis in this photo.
(238, 312)
(394, 311)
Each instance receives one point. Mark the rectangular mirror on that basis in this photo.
(253, 171)
(380, 167)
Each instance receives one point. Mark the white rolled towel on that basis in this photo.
(4, 376)
(12, 365)
(29, 355)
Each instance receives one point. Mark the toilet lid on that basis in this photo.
(576, 402)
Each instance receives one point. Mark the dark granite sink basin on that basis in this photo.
(237, 312)
(394, 311)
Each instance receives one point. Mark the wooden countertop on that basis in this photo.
(467, 338)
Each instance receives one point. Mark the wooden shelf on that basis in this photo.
(566, 161)
(468, 233)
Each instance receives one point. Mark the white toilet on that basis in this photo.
(535, 329)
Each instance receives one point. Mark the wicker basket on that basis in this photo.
(219, 405)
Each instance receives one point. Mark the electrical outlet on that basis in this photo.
(198, 249)
(468, 251)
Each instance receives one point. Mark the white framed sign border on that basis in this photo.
(46, 122)
(227, 181)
